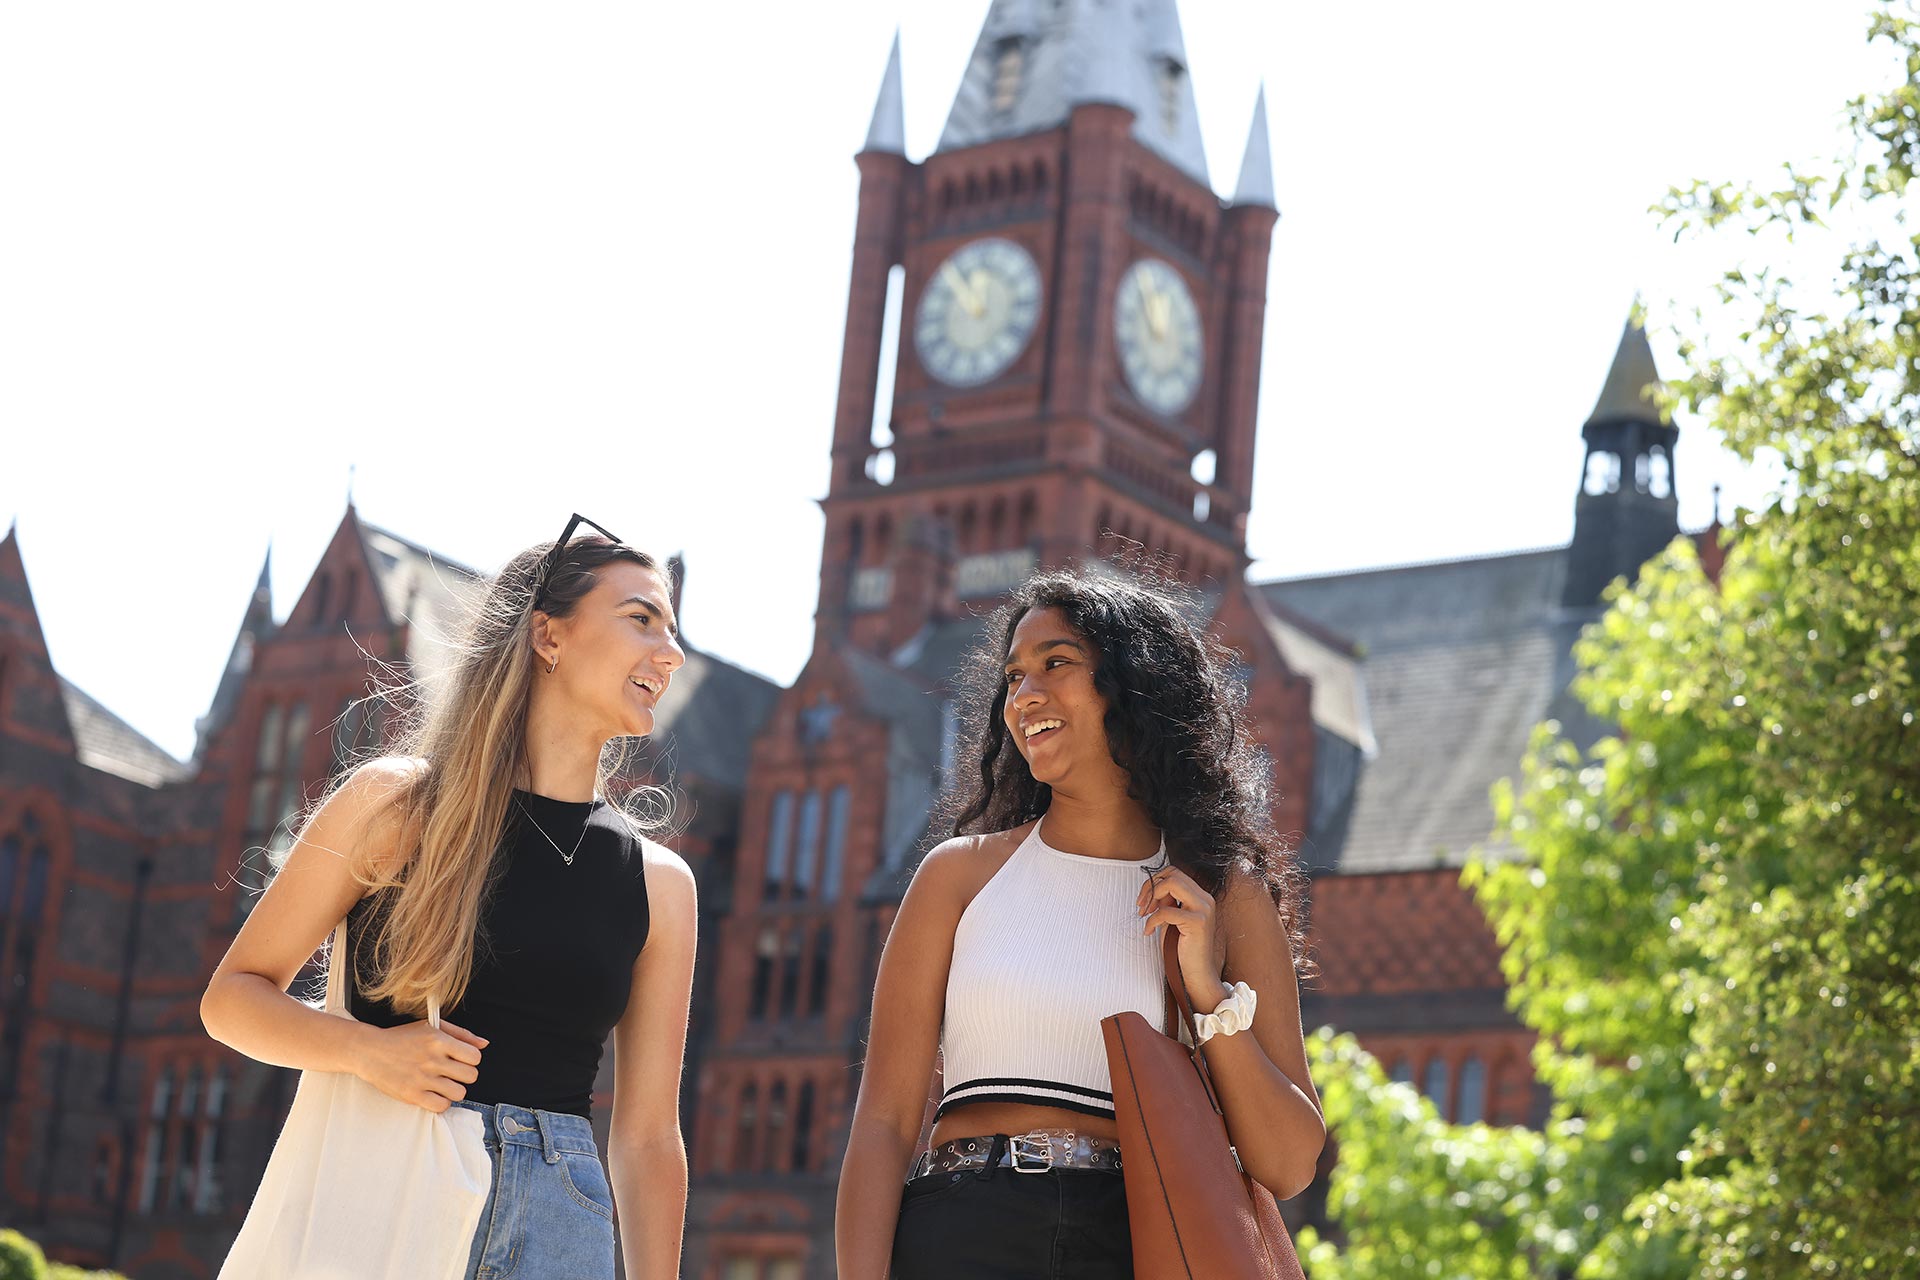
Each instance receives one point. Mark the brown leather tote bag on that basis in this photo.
(1193, 1212)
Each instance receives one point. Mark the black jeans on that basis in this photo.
(999, 1224)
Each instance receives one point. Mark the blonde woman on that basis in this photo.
(483, 863)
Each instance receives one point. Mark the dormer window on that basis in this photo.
(1009, 62)
(1173, 79)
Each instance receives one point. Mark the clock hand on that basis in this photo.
(958, 283)
(978, 282)
(1157, 307)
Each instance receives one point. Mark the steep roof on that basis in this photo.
(1462, 659)
(255, 625)
(1627, 394)
(105, 742)
(1035, 62)
(706, 725)
(1339, 691)
(422, 590)
(888, 130)
(1256, 163)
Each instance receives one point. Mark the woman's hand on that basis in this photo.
(1174, 899)
(417, 1064)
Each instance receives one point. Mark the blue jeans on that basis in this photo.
(549, 1212)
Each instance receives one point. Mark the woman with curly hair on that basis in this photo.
(1117, 794)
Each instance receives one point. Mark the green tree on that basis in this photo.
(20, 1258)
(1714, 925)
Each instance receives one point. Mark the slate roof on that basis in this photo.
(255, 626)
(917, 723)
(1627, 394)
(707, 723)
(103, 741)
(1126, 52)
(1339, 688)
(888, 130)
(1256, 163)
(424, 590)
(1461, 659)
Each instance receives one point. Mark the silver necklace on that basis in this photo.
(565, 856)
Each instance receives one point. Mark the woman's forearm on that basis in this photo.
(246, 1012)
(650, 1195)
(1275, 1127)
(868, 1207)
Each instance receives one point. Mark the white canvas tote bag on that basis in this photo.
(362, 1186)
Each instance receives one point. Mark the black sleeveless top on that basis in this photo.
(554, 956)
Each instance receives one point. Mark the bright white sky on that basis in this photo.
(514, 261)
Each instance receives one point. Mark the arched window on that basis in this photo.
(1473, 1091)
(779, 834)
(746, 1123)
(322, 596)
(790, 972)
(820, 969)
(1659, 474)
(1603, 473)
(766, 949)
(156, 1139)
(1436, 1085)
(838, 804)
(1402, 1072)
(1009, 61)
(206, 1178)
(803, 1128)
(180, 1168)
(808, 844)
(299, 729)
(776, 1126)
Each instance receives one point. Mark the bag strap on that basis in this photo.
(335, 1001)
(1183, 1003)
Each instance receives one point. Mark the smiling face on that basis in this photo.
(1056, 716)
(617, 650)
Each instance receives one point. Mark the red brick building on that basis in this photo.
(1081, 323)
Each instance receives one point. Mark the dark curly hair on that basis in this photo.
(1175, 722)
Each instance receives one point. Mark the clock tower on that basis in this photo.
(1078, 356)
(1080, 323)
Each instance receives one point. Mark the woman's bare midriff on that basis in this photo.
(978, 1119)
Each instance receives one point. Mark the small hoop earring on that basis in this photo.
(555, 663)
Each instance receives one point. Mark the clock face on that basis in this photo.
(1158, 329)
(977, 312)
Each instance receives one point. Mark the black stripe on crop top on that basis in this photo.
(553, 965)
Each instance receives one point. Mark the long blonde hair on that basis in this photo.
(469, 731)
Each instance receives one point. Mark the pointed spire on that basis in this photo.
(11, 563)
(888, 132)
(263, 589)
(1628, 395)
(1256, 166)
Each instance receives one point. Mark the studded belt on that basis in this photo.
(1033, 1152)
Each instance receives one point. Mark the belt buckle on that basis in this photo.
(1037, 1147)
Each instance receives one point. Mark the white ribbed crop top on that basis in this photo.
(1048, 947)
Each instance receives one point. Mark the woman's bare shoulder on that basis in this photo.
(368, 812)
(955, 870)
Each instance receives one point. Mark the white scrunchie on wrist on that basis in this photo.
(1235, 1013)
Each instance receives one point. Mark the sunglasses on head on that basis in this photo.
(552, 561)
